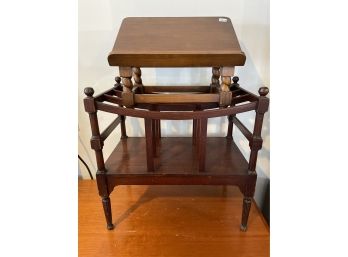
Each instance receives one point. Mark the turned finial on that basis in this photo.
(263, 91)
(89, 91)
(235, 80)
(118, 80)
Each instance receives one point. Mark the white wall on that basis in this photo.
(99, 20)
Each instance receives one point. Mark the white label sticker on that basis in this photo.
(222, 20)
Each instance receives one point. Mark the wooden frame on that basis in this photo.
(152, 114)
(212, 161)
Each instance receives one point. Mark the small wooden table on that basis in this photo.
(176, 42)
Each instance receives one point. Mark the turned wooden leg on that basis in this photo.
(225, 92)
(127, 94)
(234, 86)
(215, 82)
(107, 212)
(245, 213)
(118, 86)
(137, 78)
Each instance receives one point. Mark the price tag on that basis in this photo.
(222, 20)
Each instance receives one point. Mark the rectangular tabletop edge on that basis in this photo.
(177, 60)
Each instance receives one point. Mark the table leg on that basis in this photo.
(154, 137)
(194, 131)
(149, 144)
(202, 140)
(245, 213)
(107, 212)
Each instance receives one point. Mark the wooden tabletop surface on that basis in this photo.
(169, 221)
(176, 41)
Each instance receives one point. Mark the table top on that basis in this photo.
(176, 42)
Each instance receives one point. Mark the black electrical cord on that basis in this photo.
(89, 171)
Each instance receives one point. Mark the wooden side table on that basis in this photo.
(153, 160)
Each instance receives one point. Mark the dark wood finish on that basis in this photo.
(176, 98)
(202, 141)
(176, 89)
(149, 135)
(235, 80)
(117, 90)
(178, 107)
(245, 212)
(256, 142)
(230, 127)
(242, 128)
(176, 42)
(110, 128)
(159, 134)
(107, 212)
(97, 145)
(194, 131)
(113, 99)
(154, 138)
(171, 115)
(123, 127)
(176, 157)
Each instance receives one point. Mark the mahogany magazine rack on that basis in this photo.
(157, 160)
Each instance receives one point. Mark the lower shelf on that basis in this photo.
(176, 163)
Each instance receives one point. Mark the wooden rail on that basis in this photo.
(198, 89)
(176, 98)
(110, 128)
(113, 99)
(100, 97)
(241, 99)
(242, 128)
(118, 93)
(176, 115)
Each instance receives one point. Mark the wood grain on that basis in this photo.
(169, 221)
(176, 42)
(176, 98)
(177, 157)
